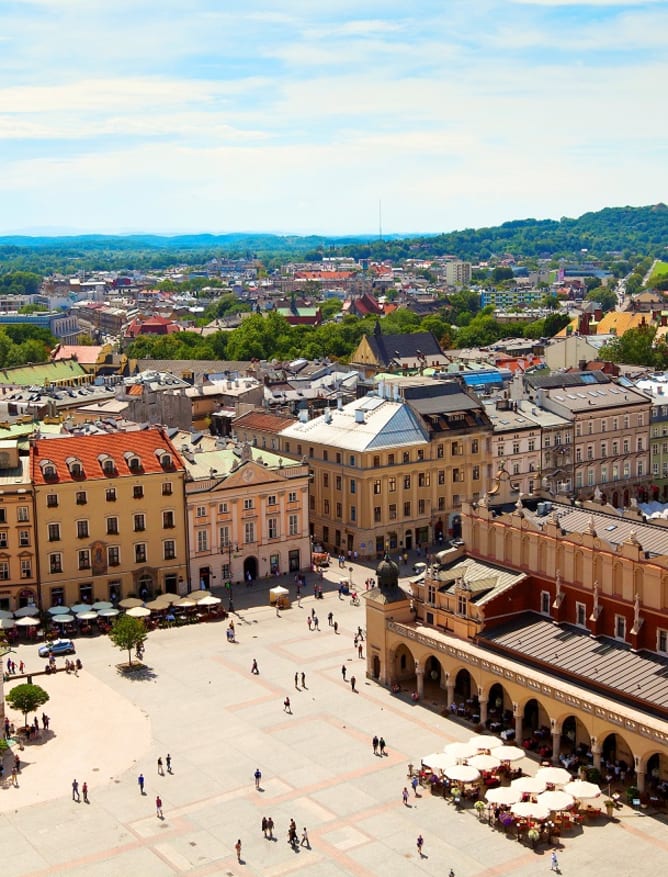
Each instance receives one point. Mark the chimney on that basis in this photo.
(582, 365)
(328, 416)
(598, 315)
(303, 415)
(359, 415)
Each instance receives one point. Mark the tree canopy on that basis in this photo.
(128, 633)
(26, 698)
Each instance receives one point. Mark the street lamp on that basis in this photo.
(350, 577)
(228, 548)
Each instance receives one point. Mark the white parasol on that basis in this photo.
(532, 785)
(26, 621)
(556, 776)
(483, 762)
(63, 619)
(557, 800)
(80, 607)
(462, 773)
(101, 604)
(7, 623)
(138, 611)
(58, 610)
(30, 610)
(438, 760)
(209, 601)
(185, 603)
(108, 613)
(88, 615)
(485, 741)
(503, 795)
(461, 750)
(5, 613)
(582, 789)
(130, 602)
(529, 810)
(509, 753)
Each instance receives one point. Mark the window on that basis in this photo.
(516, 447)
(84, 559)
(299, 450)
(590, 452)
(461, 604)
(169, 550)
(499, 451)
(390, 459)
(338, 457)
(420, 454)
(392, 484)
(293, 525)
(55, 563)
(292, 496)
(168, 520)
(139, 523)
(113, 555)
(376, 487)
(626, 421)
(532, 444)
(423, 479)
(167, 488)
(476, 473)
(662, 640)
(352, 460)
(407, 482)
(641, 419)
(272, 528)
(82, 499)
(224, 537)
(353, 513)
(641, 468)
(439, 452)
(376, 514)
(271, 500)
(4, 570)
(457, 475)
(393, 512)
(615, 424)
(620, 627)
(407, 509)
(604, 474)
(339, 510)
(338, 482)
(578, 430)
(200, 512)
(222, 508)
(140, 552)
(249, 532)
(441, 476)
(137, 492)
(376, 462)
(578, 455)
(353, 486)
(545, 602)
(248, 503)
(590, 477)
(581, 614)
(516, 468)
(474, 446)
(547, 441)
(604, 449)
(325, 479)
(54, 532)
(24, 538)
(441, 503)
(22, 515)
(406, 457)
(202, 540)
(325, 535)
(421, 506)
(325, 507)
(325, 454)
(639, 445)
(625, 446)
(110, 494)
(3, 539)
(52, 500)
(108, 467)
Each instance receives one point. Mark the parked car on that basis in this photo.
(57, 647)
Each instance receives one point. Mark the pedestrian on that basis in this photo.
(554, 864)
(330, 618)
(336, 627)
(381, 745)
(7, 735)
(315, 622)
(451, 872)
(84, 792)
(309, 621)
(420, 843)
(15, 778)
(286, 706)
(17, 763)
(278, 614)
(22, 667)
(360, 634)
(404, 796)
(352, 683)
(305, 841)
(340, 592)
(168, 762)
(254, 667)
(374, 743)
(415, 782)
(299, 600)
(270, 828)
(140, 781)
(161, 772)
(75, 791)
(312, 612)
(258, 777)
(297, 681)
(158, 807)
(360, 651)
(303, 680)
(343, 671)
(264, 826)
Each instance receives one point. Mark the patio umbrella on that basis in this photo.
(461, 750)
(63, 619)
(30, 610)
(101, 604)
(484, 762)
(6, 623)
(462, 773)
(485, 741)
(58, 610)
(185, 603)
(556, 776)
(557, 800)
(582, 789)
(209, 601)
(438, 760)
(108, 613)
(166, 599)
(509, 753)
(532, 785)
(138, 611)
(529, 810)
(89, 615)
(130, 602)
(5, 613)
(80, 607)
(503, 795)
(26, 621)
(157, 606)
(199, 595)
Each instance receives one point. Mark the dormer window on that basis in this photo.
(75, 467)
(133, 461)
(48, 469)
(164, 458)
(107, 464)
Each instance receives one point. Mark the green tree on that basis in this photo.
(636, 347)
(26, 698)
(607, 298)
(128, 633)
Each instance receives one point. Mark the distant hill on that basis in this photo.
(627, 230)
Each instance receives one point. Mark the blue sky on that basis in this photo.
(167, 117)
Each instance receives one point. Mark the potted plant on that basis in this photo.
(609, 807)
(480, 809)
(534, 836)
(632, 794)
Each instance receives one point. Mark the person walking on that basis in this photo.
(75, 791)
(286, 706)
(297, 681)
(161, 771)
(336, 627)
(264, 827)
(330, 618)
(140, 783)
(270, 828)
(404, 796)
(15, 778)
(237, 847)
(415, 782)
(343, 671)
(420, 843)
(258, 777)
(158, 807)
(316, 623)
(303, 680)
(381, 745)
(305, 841)
(360, 651)
(309, 621)
(84, 792)
(168, 762)
(374, 743)
(554, 862)
(254, 667)
(352, 683)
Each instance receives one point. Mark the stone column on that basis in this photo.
(519, 718)
(640, 775)
(450, 685)
(596, 752)
(556, 744)
(483, 709)
(419, 673)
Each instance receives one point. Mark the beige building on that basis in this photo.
(18, 551)
(247, 514)
(110, 516)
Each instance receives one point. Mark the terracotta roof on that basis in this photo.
(259, 420)
(90, 451)
(87, 354)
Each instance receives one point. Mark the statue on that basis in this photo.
(557, 584)
(596, 598)
(636, 611)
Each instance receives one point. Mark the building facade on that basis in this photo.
(18, 551)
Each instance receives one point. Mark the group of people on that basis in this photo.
(378, 744)
(11, 667)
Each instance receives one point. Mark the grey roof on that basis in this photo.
(389, 347)
(566, 379)
(484, 580)
(603, 664)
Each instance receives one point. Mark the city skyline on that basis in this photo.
(146, 117)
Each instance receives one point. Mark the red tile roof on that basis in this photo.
(258, 420)
(90, 451)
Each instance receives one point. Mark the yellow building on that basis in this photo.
(110, 516)
(18, 552)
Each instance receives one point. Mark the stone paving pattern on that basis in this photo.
(198, 700)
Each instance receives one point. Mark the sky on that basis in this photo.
(327, 116)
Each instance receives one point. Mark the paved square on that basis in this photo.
(199, 702)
